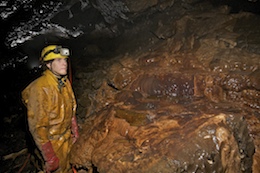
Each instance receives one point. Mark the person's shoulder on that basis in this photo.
(41, 82)
(34, 86)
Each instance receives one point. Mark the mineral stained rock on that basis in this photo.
(181, 105)
(159, 126)
(169, 122)
(169, 138)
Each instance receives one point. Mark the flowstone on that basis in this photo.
(189, 103)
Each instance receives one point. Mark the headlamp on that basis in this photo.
(62, 51)
(58, 50)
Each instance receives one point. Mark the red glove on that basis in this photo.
(52, 161)
(74, 129)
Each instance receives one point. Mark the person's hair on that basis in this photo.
(44, 64)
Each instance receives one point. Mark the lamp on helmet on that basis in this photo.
(53, 52)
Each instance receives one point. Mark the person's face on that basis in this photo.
(58, 66)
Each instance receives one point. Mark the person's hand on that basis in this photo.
(51, 160)
(74, 129)
(52, 164)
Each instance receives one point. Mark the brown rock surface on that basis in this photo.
(187, 103)
(171, 138)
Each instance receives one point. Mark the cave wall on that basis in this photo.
(172, 70)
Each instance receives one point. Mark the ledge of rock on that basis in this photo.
(169, 138)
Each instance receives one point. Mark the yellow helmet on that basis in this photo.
(53, 52)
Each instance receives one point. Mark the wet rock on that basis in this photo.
(162, 121)
(185, 102)
(120, 140)
(121, 78)
(255, 79)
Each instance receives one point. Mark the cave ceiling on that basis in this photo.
(28, 25)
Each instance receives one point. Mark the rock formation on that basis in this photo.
(184, 100)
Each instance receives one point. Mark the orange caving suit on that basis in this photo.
(51, 106)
